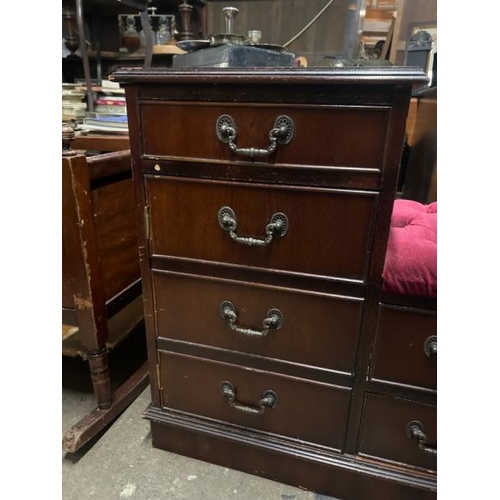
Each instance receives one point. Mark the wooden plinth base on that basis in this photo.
(288, 461)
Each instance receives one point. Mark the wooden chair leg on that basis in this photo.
(98, 419)
(101, 380)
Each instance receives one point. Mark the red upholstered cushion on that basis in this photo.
(411, 260)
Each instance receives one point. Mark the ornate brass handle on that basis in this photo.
(416, 430)
(277, 227)
(281, 133)
(273, 320)
(269, 399)
(431, 347)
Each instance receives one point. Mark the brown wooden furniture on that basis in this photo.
(101, 142)
(264, 203)
(101, 285)
(92, 26)
(421, 176)
(403, 377)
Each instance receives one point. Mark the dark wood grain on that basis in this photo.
(303, 175)
(318, 330)
(399, 347)
(383, 430)
(306, 411)
(183, 217)
(100, 271)
(336, 182)
(96, 142)
(82, 254)
(314, 127)
(343, 476)
(116, 232)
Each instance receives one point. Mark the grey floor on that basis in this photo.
(121, 462)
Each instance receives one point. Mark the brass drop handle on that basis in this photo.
(281, 133)
(269, 399)
(416, 430)
(276, 228)
(273, 320)
(431, 347)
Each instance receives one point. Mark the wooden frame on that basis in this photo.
(101, 288)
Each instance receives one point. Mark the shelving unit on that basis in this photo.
(379, 21)
(93, 35)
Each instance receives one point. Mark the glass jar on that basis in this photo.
(163, 34)
(130, 37)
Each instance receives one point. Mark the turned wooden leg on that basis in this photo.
(68, 135)
(99, 373)
(69, 17)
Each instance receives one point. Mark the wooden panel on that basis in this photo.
(399, 355)
(329, 229)
(420, 180)
(306, 411)
(318, 330)
(116, 232)
(109, 165)
(383, 431)
(339, 476)
(98, 142)
(324, 136)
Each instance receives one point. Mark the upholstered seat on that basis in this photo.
(411, 260)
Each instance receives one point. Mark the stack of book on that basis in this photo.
(104, 122)
(73, 105)
(113, 104)
(110, 111)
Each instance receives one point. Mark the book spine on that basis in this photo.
(110, 102)
(116, 110)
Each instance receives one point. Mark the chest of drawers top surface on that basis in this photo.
(384, 75)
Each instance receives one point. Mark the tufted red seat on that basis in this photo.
(411, 261)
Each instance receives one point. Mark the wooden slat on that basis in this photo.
(97, 142)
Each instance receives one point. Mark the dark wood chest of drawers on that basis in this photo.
(264, 200)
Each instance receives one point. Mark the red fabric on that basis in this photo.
(411, 260)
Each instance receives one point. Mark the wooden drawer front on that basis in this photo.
(307, 411)
(318, 329)
(384, 430)
(323, 136)
(329, 231)
(399, 355)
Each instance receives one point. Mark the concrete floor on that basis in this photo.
(122, 463)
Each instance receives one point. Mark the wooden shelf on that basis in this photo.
(137, 54)
(101, 142)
